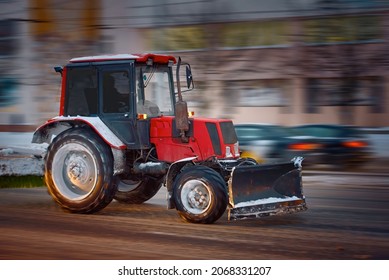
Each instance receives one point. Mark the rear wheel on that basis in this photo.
(200, 195)
(137, 191)
(79, 171)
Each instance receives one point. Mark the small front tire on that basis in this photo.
(200, 195)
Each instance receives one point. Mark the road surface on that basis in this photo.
(347, 219)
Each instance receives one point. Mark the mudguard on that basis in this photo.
(263, 190)
(61, 123)
(55, 126)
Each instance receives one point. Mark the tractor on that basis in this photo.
(124, 131)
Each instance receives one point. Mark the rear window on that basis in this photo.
(81, 91)
(248, 133)
(326, 132)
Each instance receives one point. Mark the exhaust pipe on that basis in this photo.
(150, 168)
(181, 108)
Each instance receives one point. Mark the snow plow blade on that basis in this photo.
(263, 190)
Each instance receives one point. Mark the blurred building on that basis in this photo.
(284, 62)
(37, 35)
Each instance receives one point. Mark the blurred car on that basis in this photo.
(266, 142)
(335, 145)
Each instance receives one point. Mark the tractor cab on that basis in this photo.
(124, 91)
(121, 84)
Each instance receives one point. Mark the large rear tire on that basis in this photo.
(79, 171)
(137, 191)
(200, 195)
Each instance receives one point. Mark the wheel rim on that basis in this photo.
(196, 196)
(74, 171)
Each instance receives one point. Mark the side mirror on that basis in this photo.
(58, 69)
(189, 77)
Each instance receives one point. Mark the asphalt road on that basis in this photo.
(347, 219)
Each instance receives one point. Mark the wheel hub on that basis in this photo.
(79, 172)
(196, 196)
(198, 199)
(76, 173)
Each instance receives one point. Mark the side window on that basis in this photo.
(81, 91)
(116, 91)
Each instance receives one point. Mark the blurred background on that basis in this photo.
(280, 62)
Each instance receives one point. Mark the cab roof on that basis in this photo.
(156, 58)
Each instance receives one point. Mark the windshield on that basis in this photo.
(153, 90)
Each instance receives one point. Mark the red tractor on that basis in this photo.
(123, 132)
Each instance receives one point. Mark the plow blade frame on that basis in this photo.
(263, 190)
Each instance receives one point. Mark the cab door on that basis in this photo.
(117, 109)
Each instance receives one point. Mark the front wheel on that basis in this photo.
(79, 171)
(200, 195)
